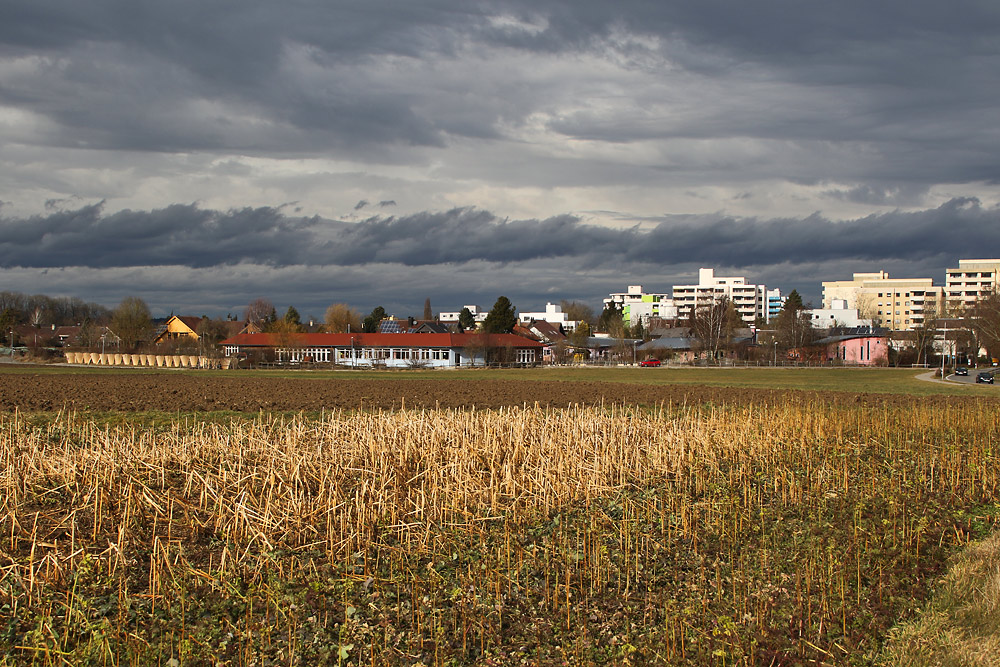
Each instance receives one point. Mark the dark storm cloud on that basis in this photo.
(186, 235)
(275, 77)
(177, 235)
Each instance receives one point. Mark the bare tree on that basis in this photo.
(428, 313)
(261, 312)
(923, 338)
(341, 318)
(712, 326)
(984, 320)
(865, 303)
(577, 311)
(476, 349)
(130, 321)
(210, 334)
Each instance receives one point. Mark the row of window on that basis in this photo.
(326, 354)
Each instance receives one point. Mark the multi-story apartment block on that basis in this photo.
(750, 301)
(894, 303)
(638, 306)
(972, 279)
(775, 302)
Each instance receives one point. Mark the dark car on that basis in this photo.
(985, 378)
(961, 370)
(650, 362)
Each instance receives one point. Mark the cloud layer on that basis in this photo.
(507, 138)
(423, 252)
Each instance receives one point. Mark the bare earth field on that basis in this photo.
(138, 392)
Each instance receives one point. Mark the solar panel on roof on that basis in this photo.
(389, 326)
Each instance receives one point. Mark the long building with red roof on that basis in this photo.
(391, 350)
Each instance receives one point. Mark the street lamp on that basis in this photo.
(775, 352)
(944, 348)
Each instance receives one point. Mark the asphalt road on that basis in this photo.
(971, 377)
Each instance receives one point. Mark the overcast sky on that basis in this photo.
(200, 154)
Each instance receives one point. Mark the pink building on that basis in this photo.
(862, 349)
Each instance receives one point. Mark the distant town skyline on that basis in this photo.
(200, 156)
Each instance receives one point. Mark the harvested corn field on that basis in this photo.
(796, 533)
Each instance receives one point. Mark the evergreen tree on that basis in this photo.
(370, 323)
(466, 319)
(611, 319)
(792, 327)
(794, 301)
(292, 316)
(501, 318)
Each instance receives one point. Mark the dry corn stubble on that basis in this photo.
(684, 499)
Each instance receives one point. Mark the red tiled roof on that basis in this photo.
(379, 340)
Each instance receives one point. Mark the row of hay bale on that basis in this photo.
(152, 360)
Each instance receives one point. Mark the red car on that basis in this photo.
(650, 362)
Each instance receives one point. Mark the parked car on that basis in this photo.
(650, 362)
(961, 370)
(985, 377)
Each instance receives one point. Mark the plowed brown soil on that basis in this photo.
(128, 392)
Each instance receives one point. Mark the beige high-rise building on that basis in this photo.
(972, 279)
(895, 303)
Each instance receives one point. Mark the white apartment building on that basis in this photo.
(478, 315)
(553, 315)
(972, 279)
(749, 300)
(899, 304)
(638, 306)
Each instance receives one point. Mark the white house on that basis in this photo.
(838, 315)
(553, 315)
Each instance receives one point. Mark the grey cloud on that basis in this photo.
(901, 61)
(187, 235)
